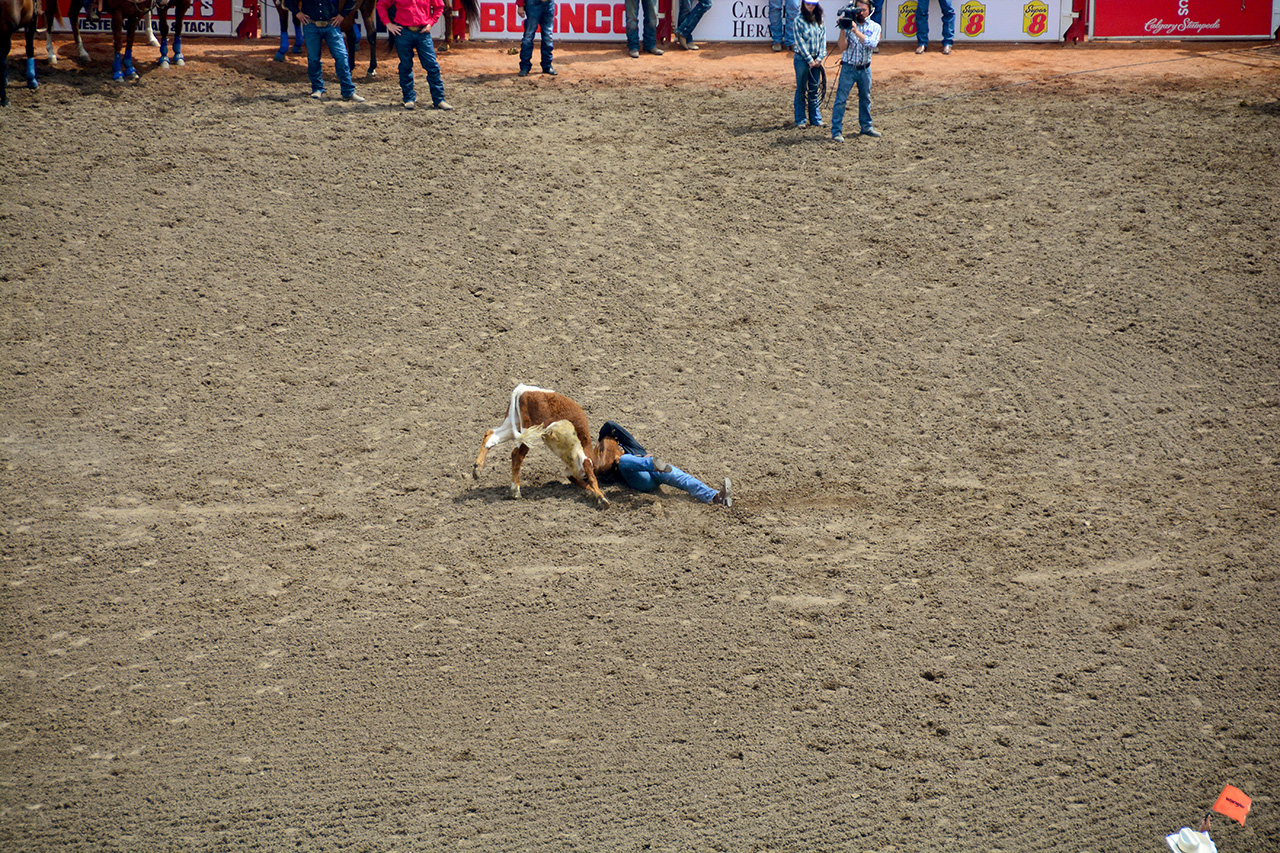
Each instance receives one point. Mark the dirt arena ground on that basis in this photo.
(999, 395)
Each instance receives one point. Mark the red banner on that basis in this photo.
(1181, 19)
(204, 18)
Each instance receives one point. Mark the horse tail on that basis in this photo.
(51, 14)
(470, 13)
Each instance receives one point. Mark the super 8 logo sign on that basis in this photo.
(907, 19)
(973, 18)
(1035, 18)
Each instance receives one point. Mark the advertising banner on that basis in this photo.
(980, 20)
(204, 18)
(575, 21)
(976, 20)
(1180, 19)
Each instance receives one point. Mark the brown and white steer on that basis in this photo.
(532, 406)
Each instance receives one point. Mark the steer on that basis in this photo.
(531, 406)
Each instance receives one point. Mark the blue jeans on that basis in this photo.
(638, 473)
(650, 24)
(538, 14)
(807, 80)
(948, 21)
(782, 27)
(407, 44)
(331, 36)
(849, 77)
(691, 11)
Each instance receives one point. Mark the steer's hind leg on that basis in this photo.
(480, 457)
(517, 459)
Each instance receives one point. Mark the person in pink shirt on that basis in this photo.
(412, 32)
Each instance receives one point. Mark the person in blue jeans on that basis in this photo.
(811, 49)
(412, 31)
(538, 15)
(691, 12)
(922, 25)
(859, 36)
(782, 22)
(322, 23)
(642, 472)
(650, 27)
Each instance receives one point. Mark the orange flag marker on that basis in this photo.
(1233, 803)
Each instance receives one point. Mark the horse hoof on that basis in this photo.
(372, 73)
(179, 61)
(33, 83)
(515, 492)
(118, 77)
(164, 62)
(279, 57)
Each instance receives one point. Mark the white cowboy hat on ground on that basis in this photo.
(1189, 841)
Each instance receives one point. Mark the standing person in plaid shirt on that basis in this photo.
(811, 49)
(859, 36)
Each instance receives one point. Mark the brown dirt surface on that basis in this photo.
(998, 393)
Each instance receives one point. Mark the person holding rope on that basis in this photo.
(859, 36)
(811, 49)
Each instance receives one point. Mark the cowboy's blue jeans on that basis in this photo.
(782, 21)
(407, 44)
(538, 14)
(806, 105)
(691, 12)
(849, 77)
(948, 21)
(638, 473)
(332, 36)
(650, 24)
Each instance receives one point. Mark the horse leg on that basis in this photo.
(32, 83)
(76, 7)
(179, 15)
(352, 38)
(151, 35)
(163, 62)
(370, 15)
(129, 70)
(117, 41)
(283, 13)
(4, 68)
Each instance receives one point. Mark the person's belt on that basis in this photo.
(861, 67)
(316, 23)
(416, 29)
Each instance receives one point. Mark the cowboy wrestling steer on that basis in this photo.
(532, 406)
